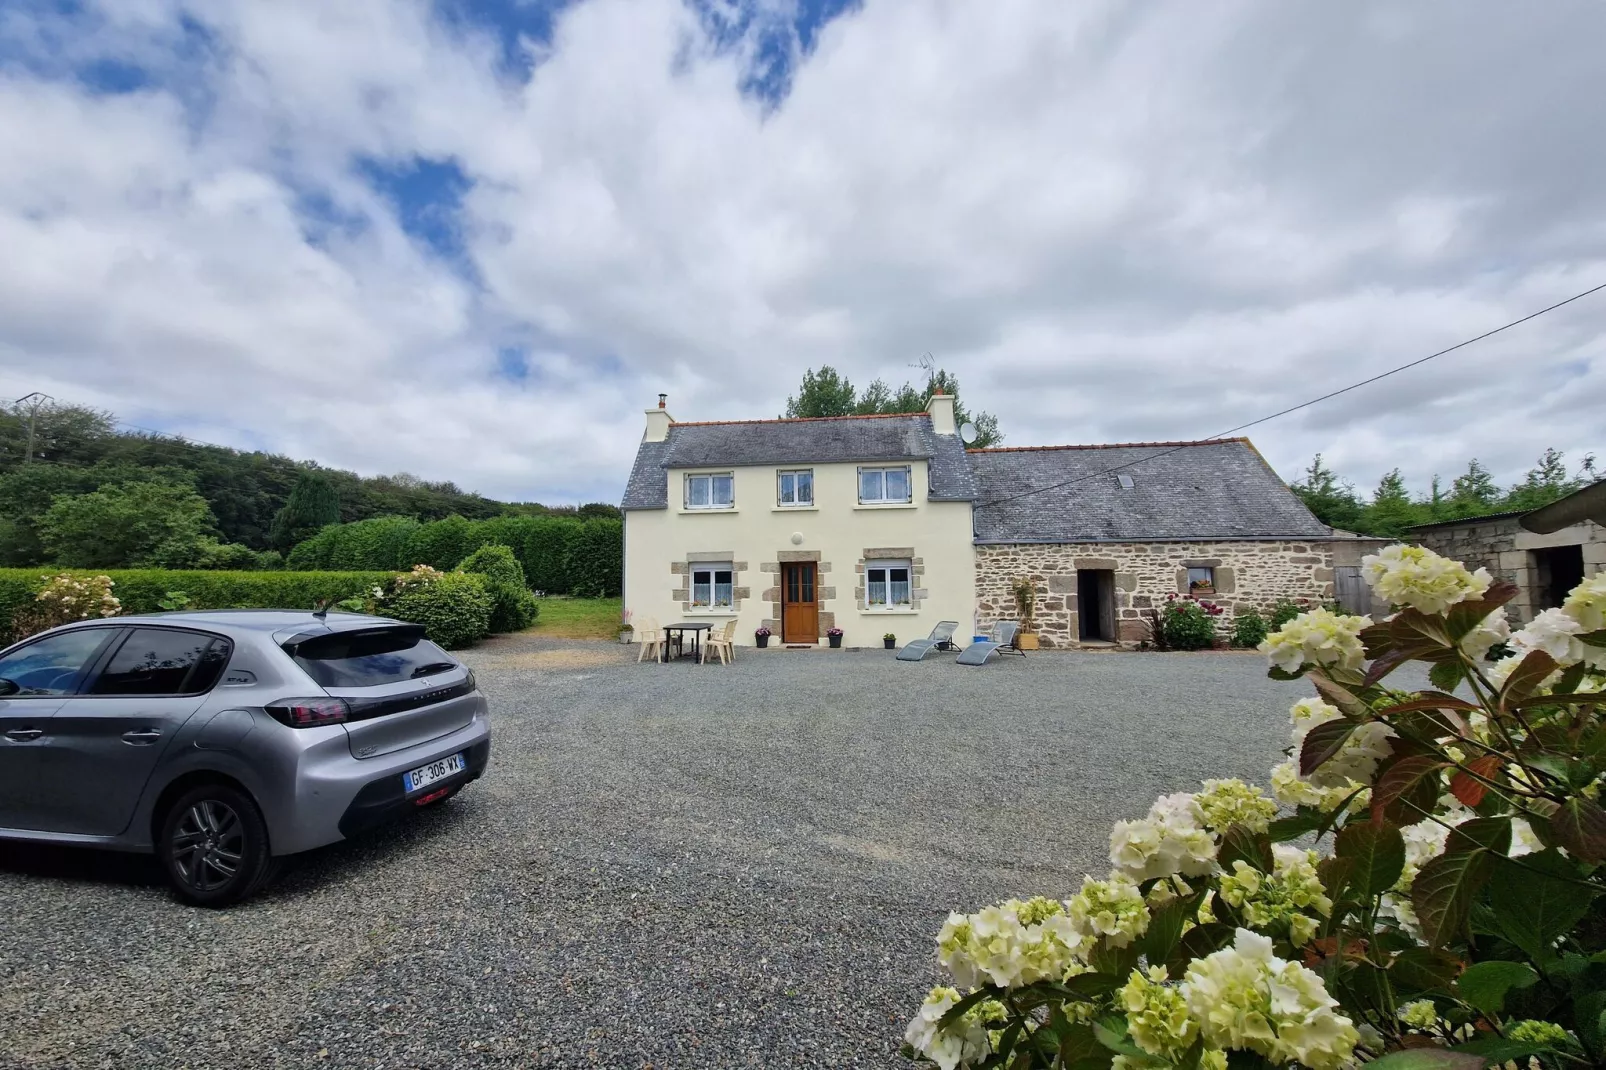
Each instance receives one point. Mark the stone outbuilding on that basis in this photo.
(1545, 552)
(1107, 533)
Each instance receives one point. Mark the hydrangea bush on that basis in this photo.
(1420, 887)
(67, 598)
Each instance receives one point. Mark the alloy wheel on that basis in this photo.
(208, 843)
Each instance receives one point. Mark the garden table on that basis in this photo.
(697, 628)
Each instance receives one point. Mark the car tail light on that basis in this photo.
(309, 712)
(472, 684)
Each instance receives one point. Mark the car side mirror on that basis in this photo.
(8, 687)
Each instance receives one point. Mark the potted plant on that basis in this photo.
(1026, 604)
(835, 637)
(889, 641)
(762, 637)
(627, 631)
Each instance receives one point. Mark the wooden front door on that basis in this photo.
(800, 610)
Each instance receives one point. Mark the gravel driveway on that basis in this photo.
(665, 866)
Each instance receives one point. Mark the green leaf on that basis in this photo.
(1499, 1049)
(1580, 826)
(957, 1011)
(1339, 695)
(1378, 852)
(1243, 1059)
(1111, 1032)
(1445, 675)
(1420, 969)
(1166, 922)
(1429, 1059)
(1465, 616)
(1081, 1050)
(1322, 742)
(1207, 939)
(1595, 638)
(1415, 626)
(1443, 891)
(1116, 961)
(1283, 674)
(1239, 843)
(1335, 874)
(1538, 902)
(1291, 828)
(1491, 833)
(1485, 984)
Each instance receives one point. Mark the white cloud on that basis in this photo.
(1112, 224)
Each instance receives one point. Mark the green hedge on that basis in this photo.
(140, 589)
(561, 555)
(513, 607)
(455, 610)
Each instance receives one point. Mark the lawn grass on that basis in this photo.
(578, 618)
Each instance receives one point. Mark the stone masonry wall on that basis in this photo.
(1508, 551)
(1247, 574)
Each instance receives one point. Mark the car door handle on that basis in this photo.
(141, 736)
(25, 735)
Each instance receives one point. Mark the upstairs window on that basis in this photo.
(711, 586)
(796, 489)
(883, 486)
(714, 490)
(1201, 580)
(887, 586)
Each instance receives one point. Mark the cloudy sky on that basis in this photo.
(473, 239)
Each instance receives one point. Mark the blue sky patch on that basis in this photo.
(427, 196)
(512, 364)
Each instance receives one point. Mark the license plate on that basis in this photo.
(425, 775)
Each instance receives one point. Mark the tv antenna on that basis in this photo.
(928, 364)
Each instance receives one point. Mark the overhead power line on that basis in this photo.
(1302, 405)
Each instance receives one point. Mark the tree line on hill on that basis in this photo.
(1392, 510)
(77, 490)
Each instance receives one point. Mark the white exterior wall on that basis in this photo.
(758, 535)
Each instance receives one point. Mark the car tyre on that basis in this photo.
(214, 846)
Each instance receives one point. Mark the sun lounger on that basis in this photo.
(1000, 641)
(941, 638)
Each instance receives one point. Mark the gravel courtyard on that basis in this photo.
(665, 866)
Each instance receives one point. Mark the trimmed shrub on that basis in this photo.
(455, 609)
(442, 543)
(595, 559)
(381, 542)
(1248, 628)
(1285, 610)
(142, 590)
(1189, 625)
(513, 607)
(312, 555)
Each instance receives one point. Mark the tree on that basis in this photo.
(138, 524)
(1332, 501)
(1544, 483)
(1473, 493)
(823, 393)
(1392, 512)
(312, 504)
(60, 432)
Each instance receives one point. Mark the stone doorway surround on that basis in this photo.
(823, 594)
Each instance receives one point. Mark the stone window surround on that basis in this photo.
(917, 572)
(822, 594)
(681, 570)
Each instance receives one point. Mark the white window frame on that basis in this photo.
(711, 570)
(886, 567)
(1211, 577)
(780, 488)
(709, 477)
(908, 484)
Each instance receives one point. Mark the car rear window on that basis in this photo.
(371, 658)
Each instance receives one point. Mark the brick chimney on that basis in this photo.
(658, 421)
(941, 408)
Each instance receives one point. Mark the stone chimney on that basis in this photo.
(658, 421)
(941, 408)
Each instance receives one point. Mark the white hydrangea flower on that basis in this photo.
(1157, 1016)
(1317, 637)
(1291, 789)
(1494, 628)
(1224, 803)
(1246, 997)
(1554, 632)
(1417, 577)
(1014, 943)
(1113, 909)
(1419, 1014)
(1587, 603)
(961, 1044)
(1171, 839)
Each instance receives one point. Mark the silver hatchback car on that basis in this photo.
(224, 740)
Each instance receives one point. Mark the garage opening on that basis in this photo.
(1556, 572)
(1095, 605)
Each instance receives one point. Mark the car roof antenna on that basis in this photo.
(320, 609)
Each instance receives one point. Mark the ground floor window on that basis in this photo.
(1201, 580)
(887, 584)
(711, 586)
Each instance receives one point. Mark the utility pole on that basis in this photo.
(38, 400)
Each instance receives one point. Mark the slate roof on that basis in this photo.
(1218, 489)
(828, 440)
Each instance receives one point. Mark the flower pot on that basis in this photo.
(1026, 641)
(890, 644)
(762, 641)
(627, 638)
(835, 641)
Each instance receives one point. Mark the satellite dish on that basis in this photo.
(968, 432)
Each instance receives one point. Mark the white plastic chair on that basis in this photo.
(723, 644)
(652, 637)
